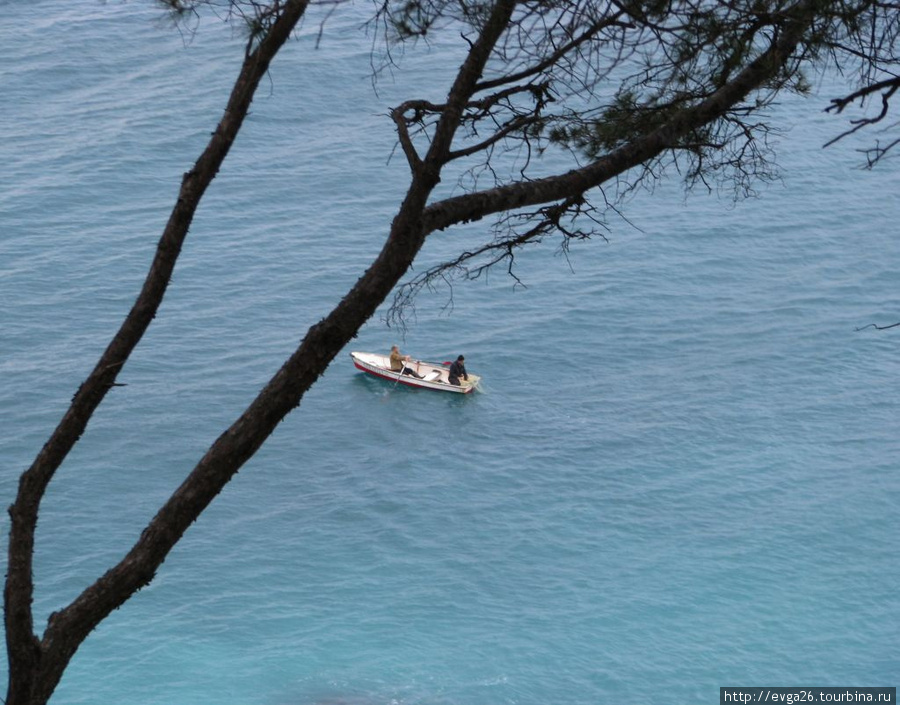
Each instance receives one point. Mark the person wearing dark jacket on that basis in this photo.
(457, 370)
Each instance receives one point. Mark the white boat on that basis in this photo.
(434, 375)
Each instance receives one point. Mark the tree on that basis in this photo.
(885, 91)
(691, 79)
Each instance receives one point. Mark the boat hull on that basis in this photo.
(434, 375)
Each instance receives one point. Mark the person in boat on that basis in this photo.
(457, 370)
(398, 363)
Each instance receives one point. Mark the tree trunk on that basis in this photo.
(35, 666)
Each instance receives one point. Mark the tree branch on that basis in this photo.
(25, 657)
(887, 88)
(544, 221)
(552, 59)
(474, 206)
(877, 327)
(36, 669)
(412, 156)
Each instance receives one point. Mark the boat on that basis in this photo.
(434, 375)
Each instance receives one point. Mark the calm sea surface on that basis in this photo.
(682, 472)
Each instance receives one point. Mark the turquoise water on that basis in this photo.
(681, 472)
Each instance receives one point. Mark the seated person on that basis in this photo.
(398, 363)
(457, 370)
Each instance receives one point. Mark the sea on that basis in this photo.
(680, 472)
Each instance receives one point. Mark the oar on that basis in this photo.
(402, 367)
(399, 375)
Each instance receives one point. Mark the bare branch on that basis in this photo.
(877, 327)
(886, 88)
(472, 264)
(412, 157)
(554, 58)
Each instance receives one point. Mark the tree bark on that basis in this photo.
(36, 666)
